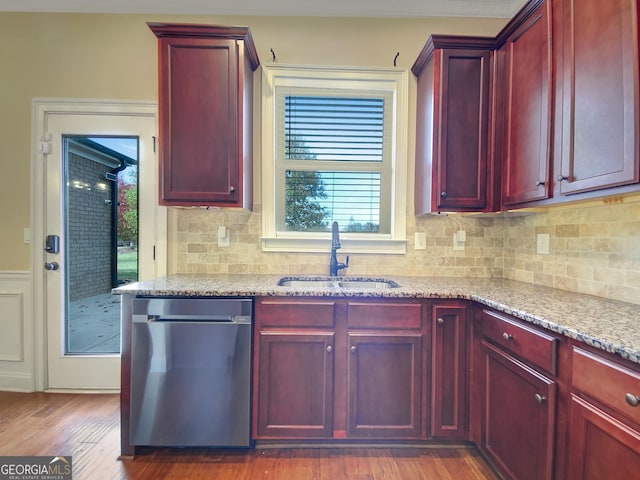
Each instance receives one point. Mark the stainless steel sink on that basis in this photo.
(324, 282)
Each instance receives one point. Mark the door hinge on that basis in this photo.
(155, 143)
(154, 253)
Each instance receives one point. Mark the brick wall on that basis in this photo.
(89, 221)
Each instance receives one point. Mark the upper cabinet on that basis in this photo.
(527, 102)
(548, 111)
(597, 67)
(452, 121)
(205, 103)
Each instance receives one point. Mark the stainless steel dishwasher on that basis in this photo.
(191, 372)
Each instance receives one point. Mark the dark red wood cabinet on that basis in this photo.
(604, 419)
(449, 371)
(517, 387)
(452, 121)
(384, 386)
(205, 104)
(597, 94)
(294, 360)
(527, 103)
(339, 369)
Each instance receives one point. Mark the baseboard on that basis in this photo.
(16, 382)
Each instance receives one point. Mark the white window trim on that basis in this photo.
(385, 79)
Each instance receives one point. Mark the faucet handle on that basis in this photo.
(346, 261)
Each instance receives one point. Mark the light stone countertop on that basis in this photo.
(606, 324)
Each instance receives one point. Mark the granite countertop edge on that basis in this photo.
(608, 325)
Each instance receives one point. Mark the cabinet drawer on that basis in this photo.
(606, 382)
(384, 315)
(533, 346)
(278, 312)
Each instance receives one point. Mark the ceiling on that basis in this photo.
(331, 8)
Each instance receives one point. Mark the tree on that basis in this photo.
(127, 210)
(303, 213)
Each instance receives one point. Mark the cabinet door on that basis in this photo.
(600, 94)
(528, 111)
(449, 372)
(295, 385)
(199, 121)
(601, 446)
(460, 149)
(519, 417)
(383, 387)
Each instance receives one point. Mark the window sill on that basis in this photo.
(323, 245)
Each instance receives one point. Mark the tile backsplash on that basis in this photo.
(593, 249)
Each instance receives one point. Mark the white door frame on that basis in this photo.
(40, 109)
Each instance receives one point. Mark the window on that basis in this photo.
(334, 150)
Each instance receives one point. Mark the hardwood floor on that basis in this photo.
(87, 427)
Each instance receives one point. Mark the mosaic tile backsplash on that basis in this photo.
(593, 250)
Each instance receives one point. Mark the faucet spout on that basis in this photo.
(334, 265)
(335, 236)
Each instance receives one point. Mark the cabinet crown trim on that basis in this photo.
(209, 31)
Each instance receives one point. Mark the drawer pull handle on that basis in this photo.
(540, 398)
(353, 349)
(440, 321)
(329, 348)
(632, 399)
(507, 336)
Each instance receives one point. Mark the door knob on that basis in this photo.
(51, 266)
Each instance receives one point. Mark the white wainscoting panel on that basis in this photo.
(11, 323)
(17, 333)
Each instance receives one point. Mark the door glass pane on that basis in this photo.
(101, 233)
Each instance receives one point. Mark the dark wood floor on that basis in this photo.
(87, 428)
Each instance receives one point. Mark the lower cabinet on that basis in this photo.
(295, 384)
(449, 379)
(601, 446)
(518, 390)
(384, 385)
(339, 369)
(604, 421)
(519, 417)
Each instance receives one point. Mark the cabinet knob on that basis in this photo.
(353, 349)
(633, 400)
(443, 194)
(329, 348)
(507, 336)
(561, 178)
(540, 398)
(539, 183)
(232, 188)
(440, 321)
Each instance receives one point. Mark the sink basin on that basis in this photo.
(347, 283)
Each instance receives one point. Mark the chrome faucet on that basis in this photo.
(334, 265)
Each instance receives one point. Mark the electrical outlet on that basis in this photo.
(223, 236)
(543, 244)
(459, 239)
(421, 241)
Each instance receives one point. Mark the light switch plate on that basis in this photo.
(543, 244)
(421, 240)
